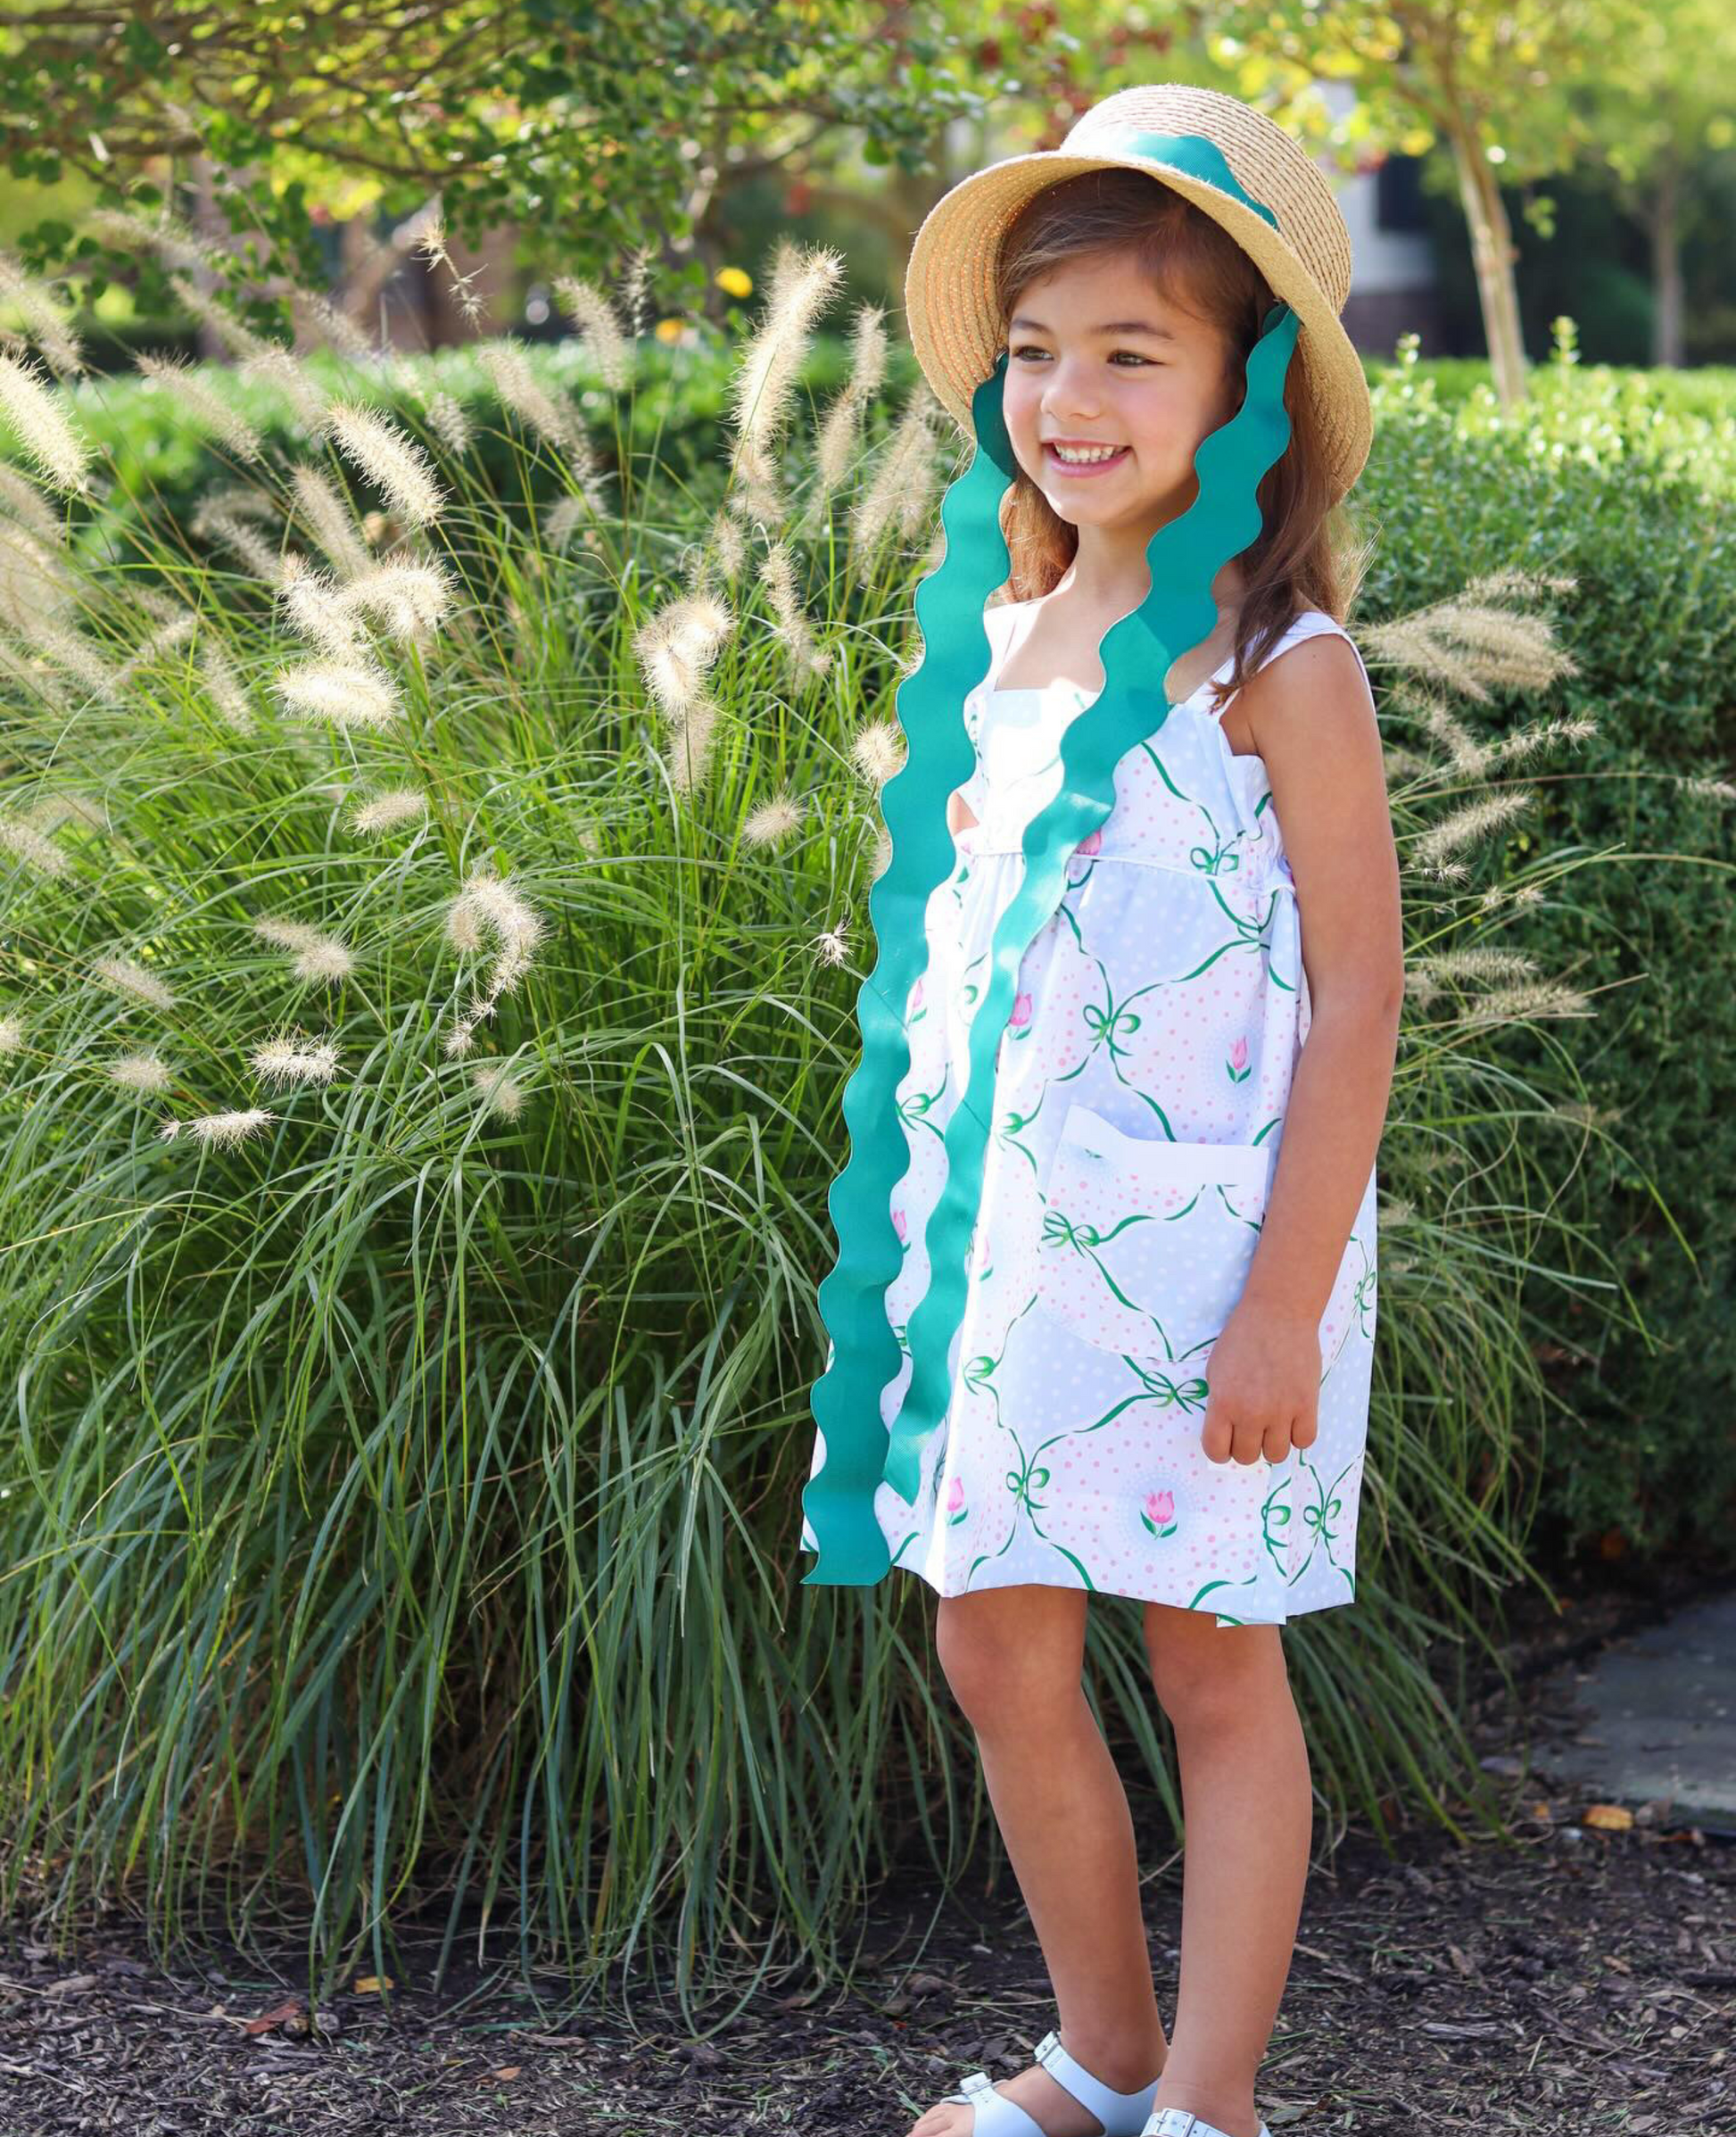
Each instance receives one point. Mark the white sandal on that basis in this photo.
(1180, 2121)
(1121, 2114)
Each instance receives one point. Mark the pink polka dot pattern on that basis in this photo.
(1138, 1115)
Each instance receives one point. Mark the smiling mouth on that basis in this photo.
(1097, 466)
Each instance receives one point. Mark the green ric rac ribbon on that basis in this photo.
(1137, 652)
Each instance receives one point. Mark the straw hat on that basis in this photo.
(1231, 161)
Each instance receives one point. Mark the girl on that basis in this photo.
(1103, 1314)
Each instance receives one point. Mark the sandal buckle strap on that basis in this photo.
(1115, 2110)
(1182, 2122)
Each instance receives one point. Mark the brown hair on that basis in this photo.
(1307, 554)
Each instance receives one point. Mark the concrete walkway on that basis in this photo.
(1660, 1718)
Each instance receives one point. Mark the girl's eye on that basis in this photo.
(1031, 349)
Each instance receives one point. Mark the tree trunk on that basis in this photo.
(1493, 253)
(1665, 229)
(209, 220)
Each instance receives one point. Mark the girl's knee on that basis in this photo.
(1010, 1649)
(1204, 1673)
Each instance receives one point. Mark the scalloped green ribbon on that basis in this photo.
(1137, 652)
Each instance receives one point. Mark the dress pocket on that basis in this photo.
(1145, 1243)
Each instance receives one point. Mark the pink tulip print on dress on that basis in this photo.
(1160, 1514)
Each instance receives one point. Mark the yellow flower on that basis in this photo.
(735, 280)
(668, 330)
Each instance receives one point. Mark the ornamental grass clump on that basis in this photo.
(432, 932)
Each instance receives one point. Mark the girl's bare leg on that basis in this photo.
(1247, 1803)
(1014, 1658)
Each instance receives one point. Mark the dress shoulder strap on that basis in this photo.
(1315, 623)
(1002, 622)
(1311, 623)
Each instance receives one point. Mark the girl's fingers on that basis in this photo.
(1224, 1439)
(1250, 1442)
(1215, 1434)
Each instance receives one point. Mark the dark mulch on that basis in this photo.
(1583, 1983)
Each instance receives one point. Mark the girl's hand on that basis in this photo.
(1263, 1380)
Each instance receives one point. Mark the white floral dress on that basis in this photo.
(1140, 1091)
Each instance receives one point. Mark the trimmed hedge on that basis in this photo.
(1619, 479)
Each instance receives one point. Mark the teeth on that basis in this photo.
(1097, 453)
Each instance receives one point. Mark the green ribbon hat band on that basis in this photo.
(1137, 652)
(1192, 154)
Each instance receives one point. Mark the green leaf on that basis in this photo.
(143, 47)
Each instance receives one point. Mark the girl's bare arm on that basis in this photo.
(1313, 722)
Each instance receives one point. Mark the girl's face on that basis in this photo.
(1080, 372)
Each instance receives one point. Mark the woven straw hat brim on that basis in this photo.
(954, 326)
